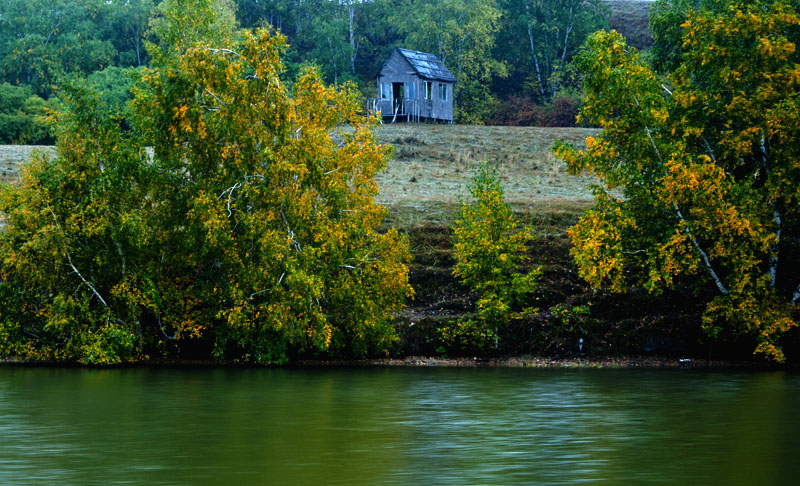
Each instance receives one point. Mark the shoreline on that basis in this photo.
(594, 362)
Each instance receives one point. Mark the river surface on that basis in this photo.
(398, 426)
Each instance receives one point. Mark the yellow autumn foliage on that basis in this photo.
(250, 234)
(699, 180)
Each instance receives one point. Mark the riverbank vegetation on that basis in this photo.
(237, 208)
(490, 250)
(430, 172)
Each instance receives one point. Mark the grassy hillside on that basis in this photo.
(433, 164)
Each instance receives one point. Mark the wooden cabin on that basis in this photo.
(414, 86)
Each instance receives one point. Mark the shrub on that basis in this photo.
(562, 111)
(491, 259)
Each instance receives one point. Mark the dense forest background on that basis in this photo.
(512, 58)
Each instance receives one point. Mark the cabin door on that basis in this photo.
(398, 94)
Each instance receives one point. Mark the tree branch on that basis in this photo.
(51, 33)
(75, 270)
(280, 281)
(161, 328)
(637, 252)
(230, 195)
(773, 258)
(88, 284)
(215, 97)
(290, 233)
(119, 250)
(649, 134)
(776, 216)
(222, 50)
(708, 148)
(703, 254)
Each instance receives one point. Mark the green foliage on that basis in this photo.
(665, 24)
(248, 227)
(178, 24)
(491, 259)
(541, 38)
(124, 23)
(566, 325)
(70, 243)
(40, 40)
(481, 41)
(23, 116)
(699, 180)
(113, 85)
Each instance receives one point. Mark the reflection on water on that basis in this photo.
(397, 426)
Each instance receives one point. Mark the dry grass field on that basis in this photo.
(11, 156)
(433, 164)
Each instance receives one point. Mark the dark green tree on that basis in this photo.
(124, 24)
(42, 39)
(540, 38)
(23, 116)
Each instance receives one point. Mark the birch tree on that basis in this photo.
(700, 184)
(250, 232)
(547, 33)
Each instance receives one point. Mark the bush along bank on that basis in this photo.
(519, 294)
(571, 321)
(629, 329)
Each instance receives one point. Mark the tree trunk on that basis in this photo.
(137, 41)
(566, 36)
(352, 11)
(536, 61)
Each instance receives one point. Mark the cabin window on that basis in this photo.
(386, 91)
(410, 91)
(428, 90)
(443, 92)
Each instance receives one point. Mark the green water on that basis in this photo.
(375, 426)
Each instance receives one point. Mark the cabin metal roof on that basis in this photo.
(427, 65)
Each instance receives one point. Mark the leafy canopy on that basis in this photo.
(23, 116)
(541, 38)
(699, 173)
(250, 231)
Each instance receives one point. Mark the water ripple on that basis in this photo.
(396, 426)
